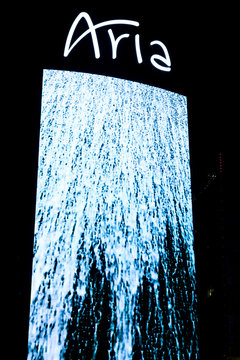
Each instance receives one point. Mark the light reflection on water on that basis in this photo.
(113, 268)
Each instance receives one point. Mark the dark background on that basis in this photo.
(202, 45)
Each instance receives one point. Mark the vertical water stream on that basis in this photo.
(113, 267)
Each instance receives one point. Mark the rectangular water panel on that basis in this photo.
(113, 267)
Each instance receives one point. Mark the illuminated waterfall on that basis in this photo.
(113, 267)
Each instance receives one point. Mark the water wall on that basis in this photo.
(113, 266)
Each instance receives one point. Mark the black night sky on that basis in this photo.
(201, 41)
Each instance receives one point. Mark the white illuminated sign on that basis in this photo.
(160, 62)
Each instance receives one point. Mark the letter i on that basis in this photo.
(137, 47)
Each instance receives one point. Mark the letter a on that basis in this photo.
(91, 29)
(166, 60)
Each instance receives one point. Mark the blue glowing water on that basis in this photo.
(113, 268)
